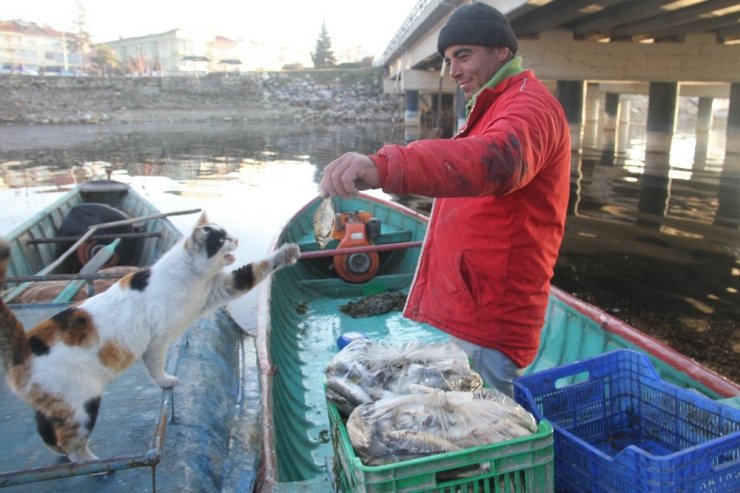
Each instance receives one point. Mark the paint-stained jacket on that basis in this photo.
(502, 187)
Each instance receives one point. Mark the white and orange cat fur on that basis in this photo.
(61, 366)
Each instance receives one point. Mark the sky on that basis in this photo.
(292, 25)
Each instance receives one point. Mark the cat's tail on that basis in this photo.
(12, 334)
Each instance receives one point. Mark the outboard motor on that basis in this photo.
(354, 229)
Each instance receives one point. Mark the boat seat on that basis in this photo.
(333, 286)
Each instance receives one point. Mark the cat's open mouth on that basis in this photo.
(229, 257)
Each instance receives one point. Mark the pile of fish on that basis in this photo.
(366, 371)
(431, 421)
(417, 399)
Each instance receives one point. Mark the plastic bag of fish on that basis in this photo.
(432, 421)
(366, 371)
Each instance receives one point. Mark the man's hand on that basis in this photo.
(348, 174)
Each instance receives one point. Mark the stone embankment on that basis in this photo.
(336, 95)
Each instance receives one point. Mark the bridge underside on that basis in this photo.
(555, 55)
(689, 47)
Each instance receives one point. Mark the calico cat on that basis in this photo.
(61, 366)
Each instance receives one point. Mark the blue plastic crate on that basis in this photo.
(620, 428)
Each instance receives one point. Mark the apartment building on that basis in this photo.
(28, 48)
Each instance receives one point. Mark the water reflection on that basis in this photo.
(652, 237)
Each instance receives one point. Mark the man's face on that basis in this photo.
(471, 66)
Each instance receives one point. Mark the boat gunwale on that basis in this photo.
(611, 324)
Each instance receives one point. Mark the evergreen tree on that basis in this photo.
(323, 56)
(81, 42)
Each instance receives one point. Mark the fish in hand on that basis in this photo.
(323, 222)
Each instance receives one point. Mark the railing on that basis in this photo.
(400, 35)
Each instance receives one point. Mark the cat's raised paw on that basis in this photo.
(288, 254)
(167, 381)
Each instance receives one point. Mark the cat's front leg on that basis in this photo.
(154, 360)
(248, 276)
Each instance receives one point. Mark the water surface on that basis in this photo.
(653, 239)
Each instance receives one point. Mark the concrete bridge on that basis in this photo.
(590, 52)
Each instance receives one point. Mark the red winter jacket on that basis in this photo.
(501, 187)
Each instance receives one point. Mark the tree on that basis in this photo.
(105, 61)
(323, 56)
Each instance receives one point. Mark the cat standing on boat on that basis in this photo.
(61, 366)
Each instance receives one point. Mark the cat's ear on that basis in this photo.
(202, 220)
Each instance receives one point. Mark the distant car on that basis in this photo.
(8, 69)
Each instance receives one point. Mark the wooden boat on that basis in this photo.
(193, 439)
(301, 318)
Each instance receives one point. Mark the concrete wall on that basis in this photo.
(354, 94)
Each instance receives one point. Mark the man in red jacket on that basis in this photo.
(501, 192)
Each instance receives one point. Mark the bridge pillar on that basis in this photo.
(592, 111)
(703, 126)
(625, 108)
(661, 118)
(460, 110)
(611, 111)
(704, 114)
(728, 212)
(412, 116)
(570, 95)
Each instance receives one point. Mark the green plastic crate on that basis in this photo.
(522, 465)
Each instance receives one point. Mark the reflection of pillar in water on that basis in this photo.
(608, 146)
(661, 121)
(654, 192)
(728, 212)
(570, 95)
(703, 126)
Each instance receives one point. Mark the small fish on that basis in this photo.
(323, 222)
(420, 441)
(350, 391)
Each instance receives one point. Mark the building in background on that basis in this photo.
(27, 48)
(177, 52)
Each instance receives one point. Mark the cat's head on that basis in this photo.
(211, 244)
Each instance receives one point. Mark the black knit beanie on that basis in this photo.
(477, 24)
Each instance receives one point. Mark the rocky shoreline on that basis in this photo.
(330, 95)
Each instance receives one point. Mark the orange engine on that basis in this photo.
(354, 229)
